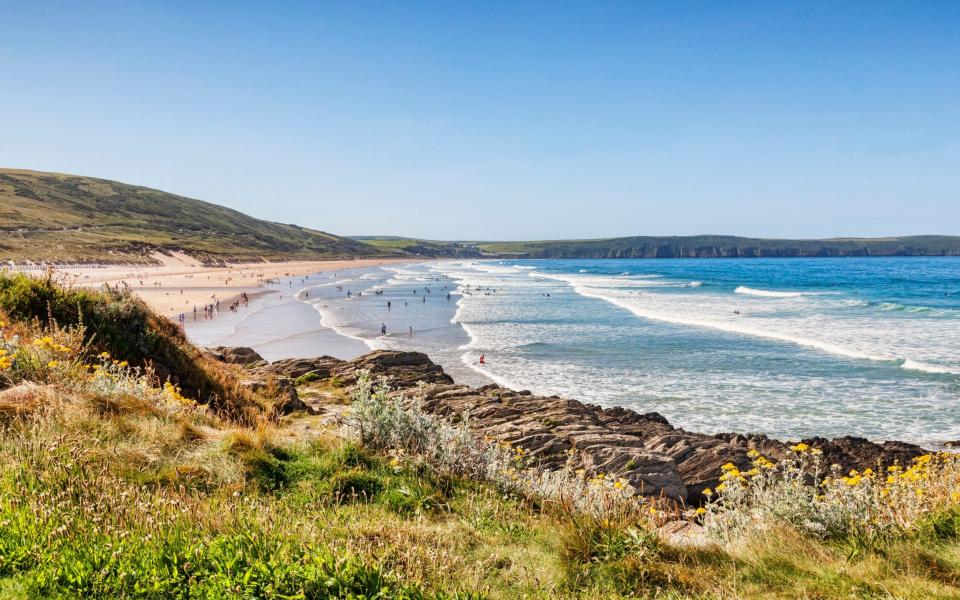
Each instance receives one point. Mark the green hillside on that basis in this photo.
(416, 247)
(725, 246)
(68, 218)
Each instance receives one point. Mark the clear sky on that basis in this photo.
(509, 120)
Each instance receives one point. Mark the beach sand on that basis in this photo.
(180, 282)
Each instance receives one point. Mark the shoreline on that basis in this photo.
(181, 283)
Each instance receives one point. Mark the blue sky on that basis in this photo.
(510, 120)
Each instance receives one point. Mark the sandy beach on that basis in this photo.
(181, 282)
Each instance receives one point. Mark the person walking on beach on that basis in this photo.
(411, 331)
(383, 329)
(388, 305)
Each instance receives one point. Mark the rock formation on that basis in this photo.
(656, 458)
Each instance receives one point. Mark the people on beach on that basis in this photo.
(411, 331)
(383, 329)
(482, 361)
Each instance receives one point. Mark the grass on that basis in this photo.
(119, 323)
(326, 519)
(71, 219)
(108, 489)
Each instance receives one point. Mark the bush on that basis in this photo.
(117, 322)
(860, 506)
(397, 425)
(307, 378)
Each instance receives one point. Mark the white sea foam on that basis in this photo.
(520, 332)
(770, 293)
(654, 308)
(919, 366)
(330, 323)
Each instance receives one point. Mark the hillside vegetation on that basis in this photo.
(68, 218)
(722, 246)
(697, 246)
(117, 482)
(415, 247)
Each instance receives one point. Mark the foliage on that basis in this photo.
(117, 322)
(393, 423)
(822, 502)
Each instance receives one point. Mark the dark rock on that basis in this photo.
(290, 401)
(238, 355)
(323, 366)
(403, 369)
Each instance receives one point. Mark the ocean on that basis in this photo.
(787, 347)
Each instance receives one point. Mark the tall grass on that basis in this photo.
(115, 321)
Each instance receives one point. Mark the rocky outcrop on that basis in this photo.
(403, 369)
(656, 458)
(297, 367)
(238, 355)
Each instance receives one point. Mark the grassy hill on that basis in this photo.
(416, 247)
(68, 218)
(725, 246)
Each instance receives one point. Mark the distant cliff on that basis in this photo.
(722, 246)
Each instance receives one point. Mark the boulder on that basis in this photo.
(323, 366)
(238, 355)
(289, 400)
(403, 369)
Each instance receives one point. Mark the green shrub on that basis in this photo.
(307, 378)
(268, 468)
(943, 526)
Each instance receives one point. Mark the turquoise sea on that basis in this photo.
(787, 347)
